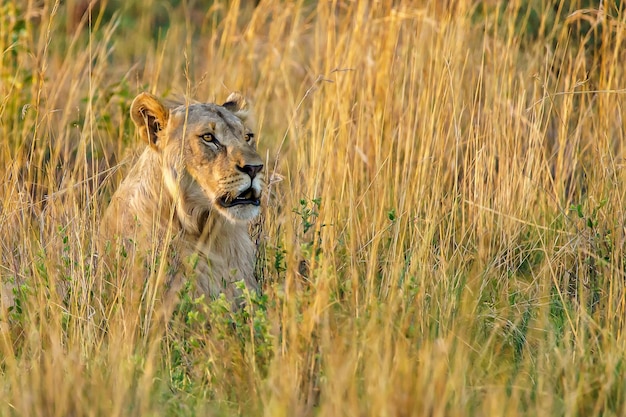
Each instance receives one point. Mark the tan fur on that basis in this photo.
(199, 158)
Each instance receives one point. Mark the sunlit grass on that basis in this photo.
(447, 237)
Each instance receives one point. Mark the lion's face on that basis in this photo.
(209, 154)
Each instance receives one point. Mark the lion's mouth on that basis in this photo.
(246, 197)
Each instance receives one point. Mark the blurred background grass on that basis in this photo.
(447, 237)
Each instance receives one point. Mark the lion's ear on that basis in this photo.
(150, 117)
(237, 104)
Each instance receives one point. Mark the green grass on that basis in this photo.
(447, 238)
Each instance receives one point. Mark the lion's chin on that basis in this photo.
(240, 212)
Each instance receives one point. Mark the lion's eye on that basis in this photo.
(249, 137)
(209, 138)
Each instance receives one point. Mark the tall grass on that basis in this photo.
(447, 237)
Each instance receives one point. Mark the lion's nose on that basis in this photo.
(251, 170)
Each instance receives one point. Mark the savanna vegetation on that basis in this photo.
(443, 233)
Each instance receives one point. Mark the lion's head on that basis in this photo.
(208, 155)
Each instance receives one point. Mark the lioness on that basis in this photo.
(199, 181)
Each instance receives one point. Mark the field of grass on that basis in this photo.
(444, 232)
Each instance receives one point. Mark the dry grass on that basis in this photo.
(447, 240)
